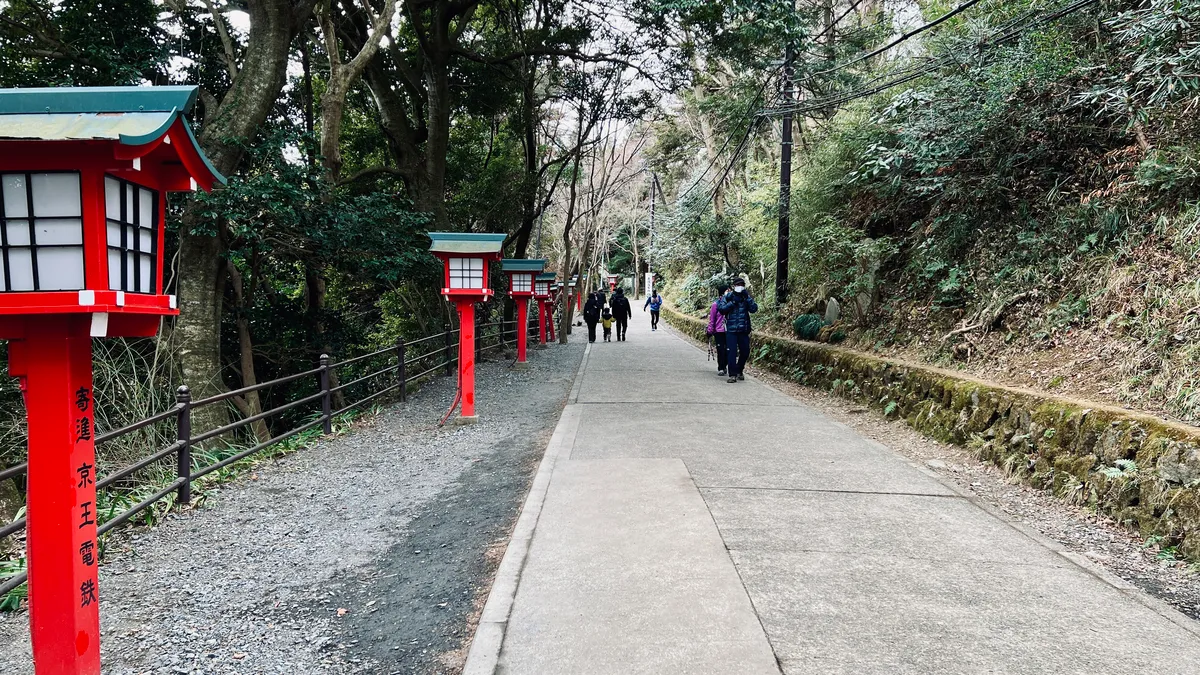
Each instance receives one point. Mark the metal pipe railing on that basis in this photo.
(182, 413)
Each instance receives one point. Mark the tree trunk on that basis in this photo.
(250, 403)
(201, 248)
(566, 315)
(433, 200)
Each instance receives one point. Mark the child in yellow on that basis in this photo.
(606, 318)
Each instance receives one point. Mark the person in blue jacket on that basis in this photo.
(737, 305)
(654, 302)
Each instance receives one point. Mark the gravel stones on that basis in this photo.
(365, 553)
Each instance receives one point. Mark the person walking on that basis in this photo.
(606, 319)
(591, 314)
(654, 302)
(737, 305)
(622, 312)
(716, 331)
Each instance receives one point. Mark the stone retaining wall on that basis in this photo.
(1141, 470)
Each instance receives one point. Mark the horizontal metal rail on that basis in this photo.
(234, 426)
(489, 336)
(372, 397)
(13, 582)
(138, 466)
(364, 378)
(425, 356)
(139, 507)
(14, 470)
(356, 359)
(258, 448)
(254, 387)
(164, 415)
(11, 528)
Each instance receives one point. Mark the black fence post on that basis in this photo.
(183, 433)
(449, 353)
(401, 370)
(326, 402)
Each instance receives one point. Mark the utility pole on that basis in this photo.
(785, 180)
(650, 248)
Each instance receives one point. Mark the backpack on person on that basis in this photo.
(605, 314)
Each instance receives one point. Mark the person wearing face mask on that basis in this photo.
(736, 306)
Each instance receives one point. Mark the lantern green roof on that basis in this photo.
(466, 242)
(104, 100)
(132, 116)
(548, 276)
(522, 265)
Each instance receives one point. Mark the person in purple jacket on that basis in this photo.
(716, 330)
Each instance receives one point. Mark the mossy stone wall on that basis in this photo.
(1141, 470)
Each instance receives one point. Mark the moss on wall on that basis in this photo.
(1141, 470)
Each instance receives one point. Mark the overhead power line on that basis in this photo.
(749, 114)
(906, 36)
(1007, 33)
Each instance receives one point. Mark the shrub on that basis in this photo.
(807, 326)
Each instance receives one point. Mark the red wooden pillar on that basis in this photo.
(466, 356)
(542, 321)
(54, 363)
(522, 328)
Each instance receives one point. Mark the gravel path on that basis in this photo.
(367, 553)
(1080, 530)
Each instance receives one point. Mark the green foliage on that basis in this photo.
(101, 42)
(807, 326)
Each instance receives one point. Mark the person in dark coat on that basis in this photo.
(622, 312)
(737, 305)
(591, 314)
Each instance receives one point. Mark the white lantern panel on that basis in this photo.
(17, 232)
(132, 230)
(466, 273)
(42, 247)
(112, 198)
(58, 231)
(522, 283)
(145, 270)
(12, 189)
(114, 268)
(145, 209)
(60, 268)
(20, 269)
(56, 195)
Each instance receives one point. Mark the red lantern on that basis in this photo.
(521, 283)
(613, 280)
(84, 177)
(466, 257)
(542, 284)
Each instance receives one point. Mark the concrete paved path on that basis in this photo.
(680, 524)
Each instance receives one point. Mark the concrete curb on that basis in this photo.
(484, 655)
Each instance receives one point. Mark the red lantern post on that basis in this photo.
(466, 257)
(84, 175)
(521, 289)
(541, 292)
(613, 280)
